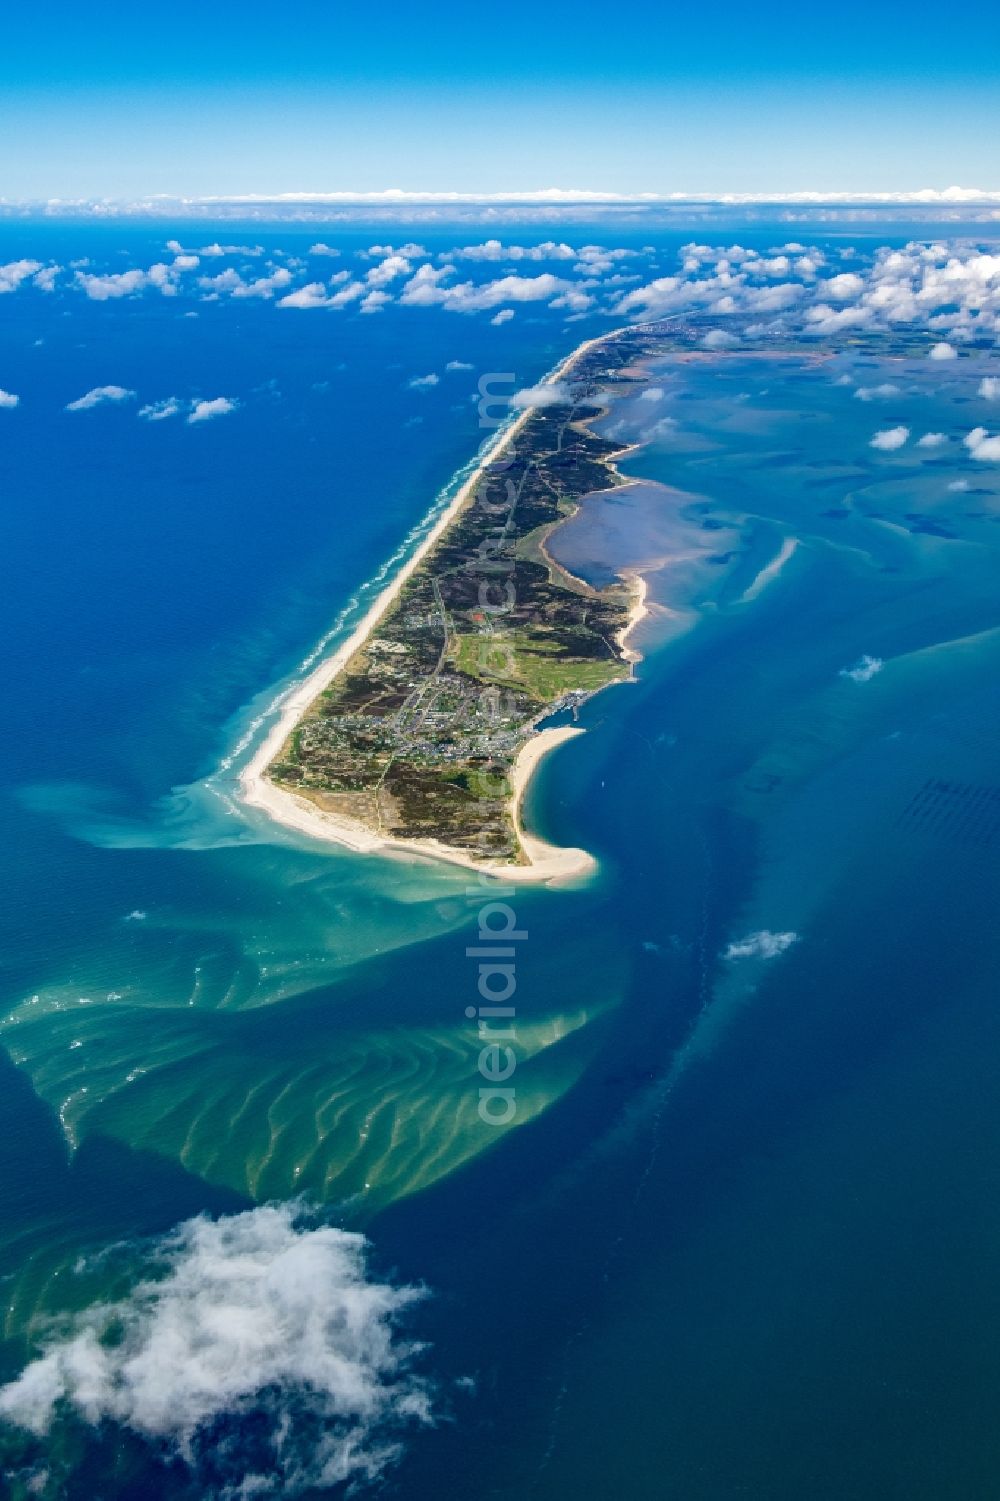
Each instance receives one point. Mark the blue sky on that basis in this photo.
(731, 96)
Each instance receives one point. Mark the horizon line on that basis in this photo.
(954, 196)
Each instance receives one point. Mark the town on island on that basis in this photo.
(420, 733)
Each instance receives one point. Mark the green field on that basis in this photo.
(533, 663)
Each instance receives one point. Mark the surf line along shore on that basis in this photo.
(538, 860)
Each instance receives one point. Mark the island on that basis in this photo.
(420, 733)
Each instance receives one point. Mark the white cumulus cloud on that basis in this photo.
(719, 338)
(8, 400)
(218, 406)
(374, 301)
(425, 289)
(158, 411)
(863, 670)
(164, 276)
(877, 393)
(257, 1320)
(388, 270)
(982, 446)
(351, 291)
(265, 286)
(551, 393)
(15, 272)
(117, 284)
(312, 295)
(97, 396)
(943, 351)
(760, 945)
(890, 438)
(494, 250)
(507, 289)
(843, 288)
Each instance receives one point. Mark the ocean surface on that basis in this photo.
(741, 1240)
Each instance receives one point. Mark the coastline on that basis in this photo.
(636, 614)
(545, 862)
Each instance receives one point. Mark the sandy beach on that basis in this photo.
(637, 613)
(545, 862)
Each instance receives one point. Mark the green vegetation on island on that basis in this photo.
(416, 737)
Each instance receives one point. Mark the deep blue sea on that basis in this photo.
(742, 1240)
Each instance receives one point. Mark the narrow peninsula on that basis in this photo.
(420, 733)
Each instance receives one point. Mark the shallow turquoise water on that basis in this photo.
(742, 1239)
